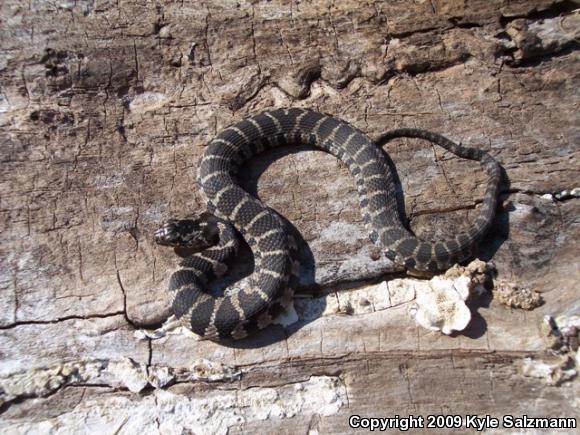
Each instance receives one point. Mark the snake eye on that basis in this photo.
(196, 234)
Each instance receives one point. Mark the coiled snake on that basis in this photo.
(211, 238)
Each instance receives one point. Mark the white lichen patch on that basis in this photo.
(147, 101)
(159, 377)
(108, 181)
(556, 372)
(206, 412)
(440, 307)
(361, 301)
(124, 373)
(4, 104)
(440, 303)
(211, 371)
(402, 290)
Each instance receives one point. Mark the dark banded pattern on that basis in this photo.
(237, 314)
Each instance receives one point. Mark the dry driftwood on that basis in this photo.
(105, 108)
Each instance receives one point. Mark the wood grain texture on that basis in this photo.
(105, 108)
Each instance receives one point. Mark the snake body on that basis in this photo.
(235, 315)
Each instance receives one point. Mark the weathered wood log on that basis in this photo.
(105, 108)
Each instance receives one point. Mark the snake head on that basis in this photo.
(194, 233)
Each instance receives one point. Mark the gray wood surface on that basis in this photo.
(105, 108)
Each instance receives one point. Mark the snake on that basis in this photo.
(208, 240)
